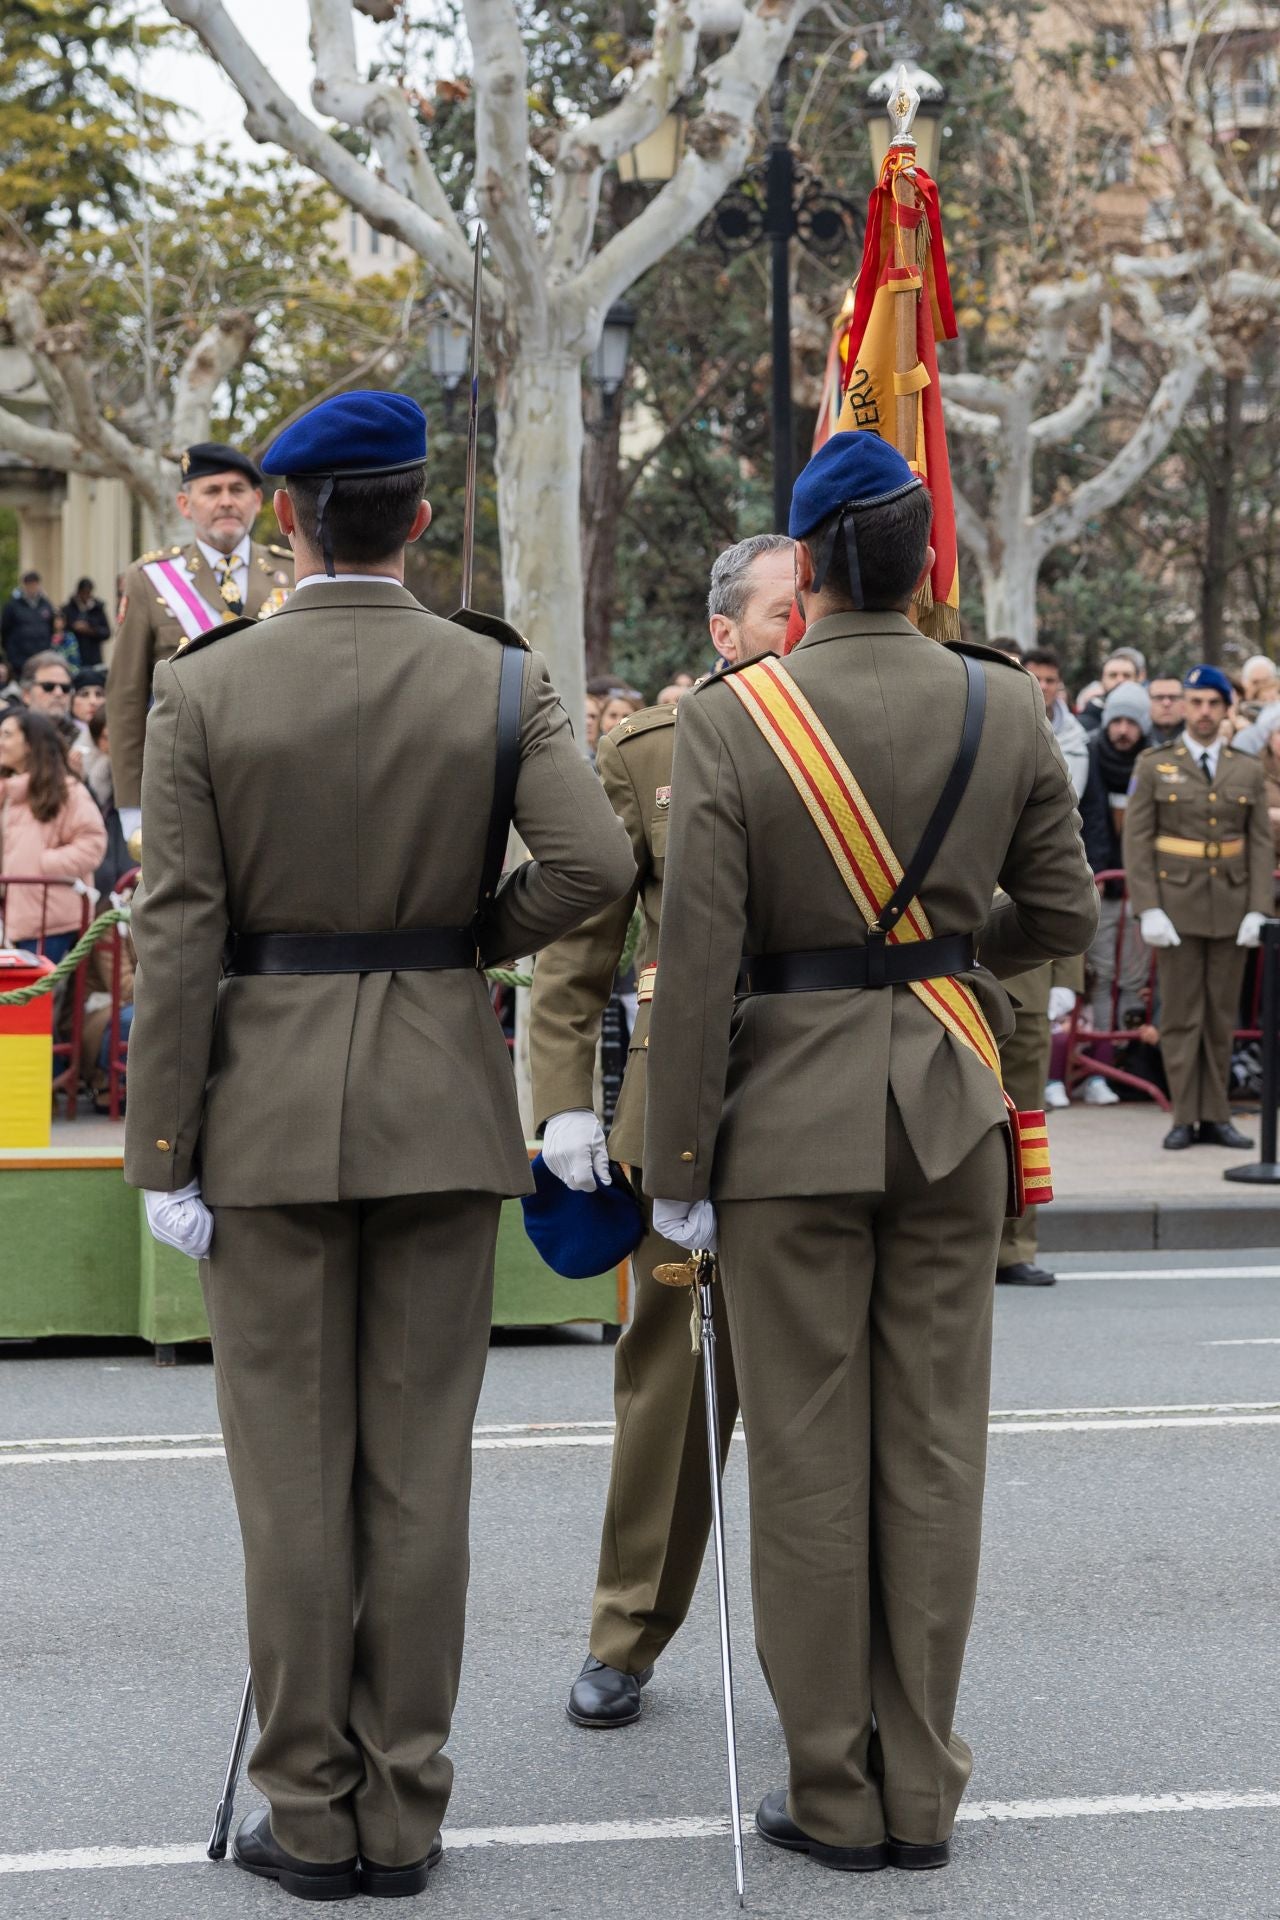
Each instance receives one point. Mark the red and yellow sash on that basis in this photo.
(871, 871)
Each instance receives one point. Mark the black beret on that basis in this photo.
(210, 456)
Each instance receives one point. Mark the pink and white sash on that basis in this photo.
(191, 610)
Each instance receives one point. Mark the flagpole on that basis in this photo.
(902, 106)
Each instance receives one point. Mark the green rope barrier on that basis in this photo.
(508, 977)
(97, 930)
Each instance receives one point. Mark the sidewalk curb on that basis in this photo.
(1160, 1226)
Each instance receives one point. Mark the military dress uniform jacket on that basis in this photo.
(332, 771)
(1201, 849)
(149, 632)
(786, 1094)
(573, 979)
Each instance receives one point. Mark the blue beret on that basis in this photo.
(856, 469)
(582, 1234)
(361, 433)
(1211, 680)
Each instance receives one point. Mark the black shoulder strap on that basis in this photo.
(506, 770)
(975, 708)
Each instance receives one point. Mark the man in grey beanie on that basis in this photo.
(1113, 755)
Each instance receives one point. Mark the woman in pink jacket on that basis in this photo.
(50, 826)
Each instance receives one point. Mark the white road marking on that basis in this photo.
(599, 1433)
(1243, 1343)
(678, 1827)
(1169, 1273)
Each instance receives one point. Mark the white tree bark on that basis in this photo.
(546, 292)
(79, 438)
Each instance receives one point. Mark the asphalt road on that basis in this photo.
(1123, 1651)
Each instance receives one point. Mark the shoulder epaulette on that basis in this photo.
(1170, 746)
(725, 673)
(145, 559)
(489, 624)
(977, 650)
(643, 722)
(281, 553)
(220, 632)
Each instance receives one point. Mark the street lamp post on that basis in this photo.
(448, 357)
(778, 202)
(609, 361)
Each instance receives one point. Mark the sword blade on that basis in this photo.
(706, 1311)
(217, 1848)
(473, 427)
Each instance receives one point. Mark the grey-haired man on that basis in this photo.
(658, 1511)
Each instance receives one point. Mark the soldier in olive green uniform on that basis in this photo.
(1199, 857)
(341, 1101)
(171, 596)
(658, 1511)
(854, 1147)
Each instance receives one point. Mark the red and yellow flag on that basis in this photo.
(901, 309)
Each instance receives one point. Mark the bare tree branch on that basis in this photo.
(1164, 414)
(502, 156)
(1056, 429)
(1202, 164)
(971, 530)
(983, 426)
(717, 147)
(48, 447)
(975, 390)
(218, 352)
(273, 116)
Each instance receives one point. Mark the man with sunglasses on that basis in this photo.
(46, 687)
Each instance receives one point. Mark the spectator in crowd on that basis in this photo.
(47, 687)
(1126, 663)
(683, 680)
(619, 705)
(1260, 680)
(671, 696)
(7, 689)
(591, 723)
(87, 623)
(1042, 664)
(64, 644)
(97, 762)
(1270, 758)
(49, 826)
(88, 693)
(1168, 708)
(95, 1034)
(1113, 756)
(26, 625)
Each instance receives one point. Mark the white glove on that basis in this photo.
(1157, 929)
(690, 1223)
(1062, 1001)
(1250, 934)
(180, 1220)
(573, 1146)
(130, 821)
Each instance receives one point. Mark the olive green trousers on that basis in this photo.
(658, 1513)
(349, 1343)
(861, 1332)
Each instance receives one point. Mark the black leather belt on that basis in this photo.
(403, 950)
(878, 964)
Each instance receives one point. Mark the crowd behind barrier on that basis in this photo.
(52, 665)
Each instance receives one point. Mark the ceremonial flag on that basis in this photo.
(835, 376)
(901, 308)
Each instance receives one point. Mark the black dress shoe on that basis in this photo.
(603, 1697)
(1221, 1133)
(916, 1858)
(256, 1849)
(774, 1824)
(397, 1883)
(1179, 1137)
(1024, 1273)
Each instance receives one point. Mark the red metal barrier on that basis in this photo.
(1081, 1064)
(66, 1082)
(118, 1044)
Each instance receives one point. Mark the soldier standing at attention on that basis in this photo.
(330, 1123)
(172, 596)
(658, 1511)
(1199, 856)
(824, 1095)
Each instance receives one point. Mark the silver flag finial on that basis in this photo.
(903, 105)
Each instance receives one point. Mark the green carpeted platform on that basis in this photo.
(76, 1258)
